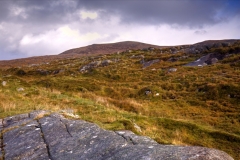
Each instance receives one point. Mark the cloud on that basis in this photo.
(200, 32)
(87, 14)
(34, 27)
(55, 41)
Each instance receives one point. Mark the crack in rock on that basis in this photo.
(47, 146)
(40, 136)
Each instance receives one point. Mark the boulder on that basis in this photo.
(45, 72)
(58, 71)
(106, 62)
(95, 64)
(172, 69)
(212, 61)
(4, 83)
(44, 135)
(21, 72)
(208, 59)
(137, 57)
(90, 66)
(20, 89)
(149, 63)
(148, 92)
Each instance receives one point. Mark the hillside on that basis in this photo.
(96, 49)
(181, 95)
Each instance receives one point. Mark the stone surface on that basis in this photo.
(95, 64)
(208, 59)
(20, 89)
(172, 69)
(149, 63)
(44, 135)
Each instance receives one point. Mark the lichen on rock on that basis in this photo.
(44, 135)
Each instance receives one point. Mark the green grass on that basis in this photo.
(192, 106)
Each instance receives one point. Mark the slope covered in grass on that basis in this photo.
(170, 103)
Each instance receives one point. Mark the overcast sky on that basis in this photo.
(46, 27)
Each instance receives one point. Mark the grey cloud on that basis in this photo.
(37, 11)
(42, 16)
(200, 32)
(182, 12)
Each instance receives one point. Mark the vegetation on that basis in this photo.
(192, 106)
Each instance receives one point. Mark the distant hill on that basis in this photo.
(212, 42)
(110, 48)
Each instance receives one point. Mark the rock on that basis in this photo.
(95, 64)
(151, 49)
(41, 135)
(145, 49)
(225, 44)
(106, 62)
(149, 63)
(137, 57)
(58, 71)
(90, 66)
(208, 59)
(148, 91)
(172, 69)
(211, 61)
(44, 72)
(4, 83)
(20, 89)
(172, 59)
(21, 72)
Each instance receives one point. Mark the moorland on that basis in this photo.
(152, 91)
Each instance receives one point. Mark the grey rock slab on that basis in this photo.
(40, 135)
(78, 139)
(17, 120)
(149, 63)
(25, 142)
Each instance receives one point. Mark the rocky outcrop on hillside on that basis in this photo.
(207, 45)
(149, 63)
(208, 59)
(95, 64)
(44, 135)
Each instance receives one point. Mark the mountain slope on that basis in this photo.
(96, 49)
(110, 48)
(149, 92)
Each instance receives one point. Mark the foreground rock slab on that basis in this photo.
(44, 136)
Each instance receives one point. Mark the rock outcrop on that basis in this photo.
(41, 135)
(208, 59)
(149, 63)
(95, 64)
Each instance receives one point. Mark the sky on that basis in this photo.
(47, 27)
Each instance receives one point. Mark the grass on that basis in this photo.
(192, 106)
